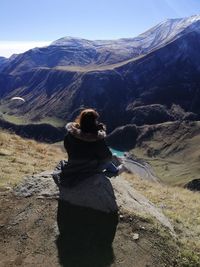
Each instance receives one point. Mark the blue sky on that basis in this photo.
(30, 23)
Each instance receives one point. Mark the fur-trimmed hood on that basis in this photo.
(74, 129)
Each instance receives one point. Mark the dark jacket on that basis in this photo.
(86, 154)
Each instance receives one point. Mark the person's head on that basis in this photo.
(87, 121)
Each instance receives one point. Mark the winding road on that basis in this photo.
(143, 170)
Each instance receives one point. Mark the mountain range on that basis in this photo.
(152, 78)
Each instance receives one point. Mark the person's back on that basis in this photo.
(80, 145)
(86, 147)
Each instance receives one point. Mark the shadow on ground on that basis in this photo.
(86, 236)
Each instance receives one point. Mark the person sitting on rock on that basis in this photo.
(87, 151)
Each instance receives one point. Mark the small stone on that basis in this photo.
(121, 217)
(135, 236)
(8, 188)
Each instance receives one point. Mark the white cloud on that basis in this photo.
(8, 48)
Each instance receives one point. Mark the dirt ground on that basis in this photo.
(29, 237)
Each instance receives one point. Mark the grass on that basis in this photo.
(173, 170)
(24, 120)
(182, 207)
(15, 119)
(93, 67)
(53, 121)
(4, 114)
(173, 152)
(20, 157)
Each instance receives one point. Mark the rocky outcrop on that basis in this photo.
(179, 113)
(193, 185)
(29, 235)
(40, 132)
(123, 138)
(96, 193)
(170, 137)
(150, 114)
(137, 236)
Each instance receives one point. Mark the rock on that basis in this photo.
(193, 185)
(97, 192)
(180, 114)
(123, 138)
(37, 185)
(149, 114)
(130, 201)
(121, 217)
(135, 236)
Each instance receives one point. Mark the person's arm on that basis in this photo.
(65, 142)
(102, 152)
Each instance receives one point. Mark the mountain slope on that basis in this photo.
(172, 149)
(20, 157)
(69, 51)
(167, 75)
(3, 60)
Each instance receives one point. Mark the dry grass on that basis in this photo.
(176, 153)
(94, 67)
(21, 157)
(181, 206)
(25, 120)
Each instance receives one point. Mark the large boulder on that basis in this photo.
(97, 192)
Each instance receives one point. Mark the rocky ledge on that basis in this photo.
(97, 192)
(31, 235)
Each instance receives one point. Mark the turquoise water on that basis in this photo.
(117, 152)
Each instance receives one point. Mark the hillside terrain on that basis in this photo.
(160, 66)
(147, 91)
(29, 234)
(171, 148)
(181, 206)
(45, 132)
(20, 157)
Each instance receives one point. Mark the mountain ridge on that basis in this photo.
(166, 75)
(103, 52)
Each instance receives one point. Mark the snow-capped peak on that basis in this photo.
(126, 48)
(167, 30)
(70, 41)
(180, 25)
(193, 18)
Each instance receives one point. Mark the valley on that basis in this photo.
(171, 148)
(160, 66)
(173, 152)
(147, 92)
